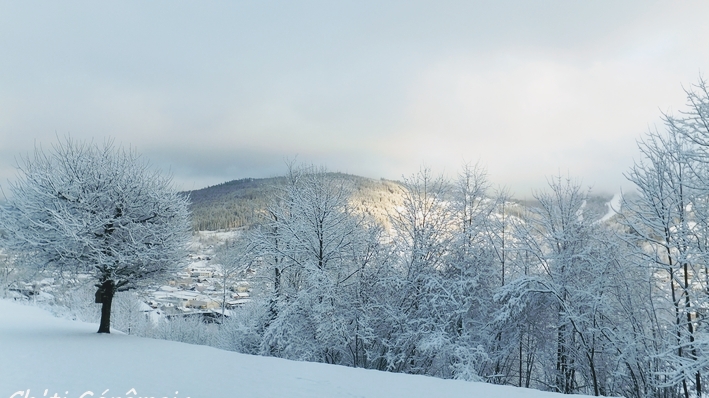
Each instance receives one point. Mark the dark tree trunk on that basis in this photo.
(104, 295)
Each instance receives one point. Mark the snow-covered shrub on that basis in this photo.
(131, 315)
(191, 329)
(243, 330)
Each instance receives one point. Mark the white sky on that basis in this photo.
(215, 91)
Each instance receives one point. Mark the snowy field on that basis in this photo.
(59, 358)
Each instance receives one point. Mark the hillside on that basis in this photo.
(43, 356)
(232, 204)
(240, 203)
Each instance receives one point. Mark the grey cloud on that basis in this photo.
(223, 90)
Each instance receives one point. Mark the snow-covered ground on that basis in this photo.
(43, 356)
(613, 207)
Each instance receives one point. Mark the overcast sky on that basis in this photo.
(215, 91)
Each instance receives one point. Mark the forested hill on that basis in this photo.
(231, 204)
(239, 203)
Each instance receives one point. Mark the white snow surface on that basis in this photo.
(613, 207)
(48, 356)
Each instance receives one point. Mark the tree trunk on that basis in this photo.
(594, 377)
(104, 295)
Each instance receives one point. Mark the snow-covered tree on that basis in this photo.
(470, 277)
(668, 222)
(415, 313)
(96, 209)
(313, 249)
(566, 293)
(235, 258)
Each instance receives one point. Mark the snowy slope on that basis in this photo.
(613, 207)
(41, 353)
